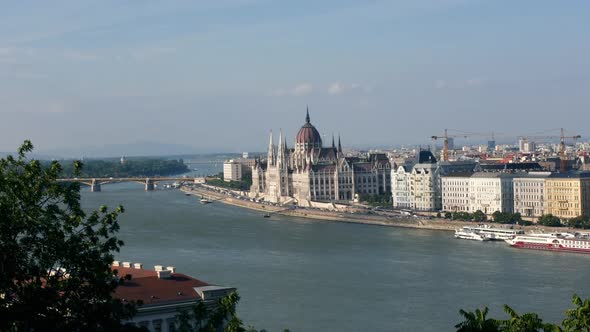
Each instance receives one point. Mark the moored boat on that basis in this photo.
(469, 235)
(569, 242)
(204, 200)
(494, 234)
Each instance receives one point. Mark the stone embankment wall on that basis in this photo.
(349, 214)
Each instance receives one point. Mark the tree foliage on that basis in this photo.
(550, 220)
(507, 217)
(54, 258)
(579, 222)
(577, 320)
(134, 167)
(221, 317)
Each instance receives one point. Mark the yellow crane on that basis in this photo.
(562, 139)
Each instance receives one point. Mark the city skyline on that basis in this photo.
(380, 73)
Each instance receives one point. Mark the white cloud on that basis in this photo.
(151, 52)
(474, 82)
(335, 88)
(440, 84)
(459, 84)
(301, 89)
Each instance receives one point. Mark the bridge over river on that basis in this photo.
(96, 183)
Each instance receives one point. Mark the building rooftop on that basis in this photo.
(458, 175)
(571, 175)
(147, 286)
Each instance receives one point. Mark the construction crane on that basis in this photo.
(562, 139)
(445, 138)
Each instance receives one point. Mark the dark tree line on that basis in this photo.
(114, 168)
(576, 319)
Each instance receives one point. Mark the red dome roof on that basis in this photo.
(308, 134)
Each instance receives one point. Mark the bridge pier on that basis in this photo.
(95, 186)
(149, 184)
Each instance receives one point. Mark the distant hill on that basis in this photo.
(117, 150)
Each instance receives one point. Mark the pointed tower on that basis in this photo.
(307, 120)
(281, 151)
(271, 151)
(339, 145)
(333, 144)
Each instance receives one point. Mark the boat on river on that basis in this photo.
(470, 235)
(204, 200)
(494, 234)
(569, 242)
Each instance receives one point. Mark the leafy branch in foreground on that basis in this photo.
(54, 259)
(577, 320)
(219, 317)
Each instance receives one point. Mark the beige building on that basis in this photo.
(455, 192)
(568, 195)
(529, 194)
(232, 171)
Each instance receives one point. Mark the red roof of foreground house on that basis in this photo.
(147, 287)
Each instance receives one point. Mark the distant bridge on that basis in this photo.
(96, 183)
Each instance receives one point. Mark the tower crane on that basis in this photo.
(562, 139)
(446, 137)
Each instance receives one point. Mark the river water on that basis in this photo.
(328, 276)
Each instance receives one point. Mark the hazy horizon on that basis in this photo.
(217, 76)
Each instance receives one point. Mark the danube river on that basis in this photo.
(309, 275)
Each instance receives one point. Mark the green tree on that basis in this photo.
(54, 258)
(476, 321)
(448, 215)
(529, 322)
(578, 318)
(222, 317)
(479, 216)
(550, 220)
(579, 222)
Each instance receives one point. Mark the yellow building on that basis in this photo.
(568, 195)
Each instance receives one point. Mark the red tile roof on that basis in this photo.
(147, 287)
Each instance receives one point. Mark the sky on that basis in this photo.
(219, 75)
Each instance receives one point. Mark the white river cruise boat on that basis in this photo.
(469, 235)
(494, 234)
(554, 241)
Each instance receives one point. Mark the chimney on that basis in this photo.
(137, 266)
(172, 269)
(126, 264)
(116, 263)
(164, 274)
(158, 267)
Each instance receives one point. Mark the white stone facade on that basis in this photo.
(529, 194)
(491, 192)
(455, 193)
(232, 171)
(400, 188)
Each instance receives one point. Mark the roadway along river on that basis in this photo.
(327, 276)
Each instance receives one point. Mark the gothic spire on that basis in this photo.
(339, 145)
(333, 144)
(271, 151)
(307, 116)
(281, 152)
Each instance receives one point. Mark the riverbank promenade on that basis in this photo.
(370, 217)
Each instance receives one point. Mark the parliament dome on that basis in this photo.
(308, 134)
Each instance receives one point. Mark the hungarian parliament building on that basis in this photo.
(309, 171)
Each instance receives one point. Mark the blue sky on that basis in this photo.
(218, 75)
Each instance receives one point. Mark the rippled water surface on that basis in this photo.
(328, 276)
